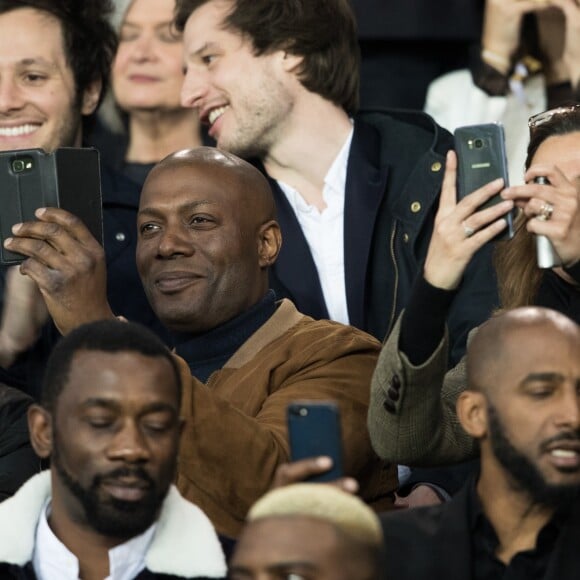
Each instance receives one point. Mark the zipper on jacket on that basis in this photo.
(394, 259)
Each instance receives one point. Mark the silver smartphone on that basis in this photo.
(481, 158)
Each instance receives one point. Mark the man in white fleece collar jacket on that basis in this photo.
(109, 422)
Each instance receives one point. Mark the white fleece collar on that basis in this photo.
(185, 542)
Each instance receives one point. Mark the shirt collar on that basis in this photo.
(479, 523)
(335, 180)
(52, 559)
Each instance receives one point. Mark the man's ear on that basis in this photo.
(472, 413)
(40, 429)
(291, 62)
(91, 97)
(269, 243)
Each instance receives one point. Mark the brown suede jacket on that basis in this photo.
(235, 433)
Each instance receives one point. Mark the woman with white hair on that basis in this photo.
(142, 119)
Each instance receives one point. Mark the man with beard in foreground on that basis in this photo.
(521, 517)
(109, 422)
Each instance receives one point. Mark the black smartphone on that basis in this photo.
(68, 178)
(481, 158)
(313, 430)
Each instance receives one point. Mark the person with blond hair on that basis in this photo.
(309, 528)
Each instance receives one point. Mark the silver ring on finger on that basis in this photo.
(468, 231)
(546, 212)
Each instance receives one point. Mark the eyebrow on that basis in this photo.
(186, 206)
(138, 25)
(37, 61)
(558, 378)
(205, 46)
(543, 377)
(282, 566)
(157, 407)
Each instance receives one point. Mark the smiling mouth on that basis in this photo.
(565, 456)
(215, 114)
(564, 453)
(18, 131)
(171, 283)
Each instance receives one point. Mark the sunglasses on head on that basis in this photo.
(538, 119)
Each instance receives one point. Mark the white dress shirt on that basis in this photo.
(324, 233)
(52, 559)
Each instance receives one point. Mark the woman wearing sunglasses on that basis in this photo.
(418, 426)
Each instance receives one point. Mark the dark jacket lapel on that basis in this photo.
(430, 542)
(295, 266)
(454, 545)
(365, 187)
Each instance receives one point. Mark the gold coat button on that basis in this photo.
(406, 238)
(415, 207)
(436, 167)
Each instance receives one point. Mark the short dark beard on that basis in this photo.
(109, 516)
(524, 474)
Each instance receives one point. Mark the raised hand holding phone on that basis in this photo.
(304, 469)
(481, 159)
(68, 178)
(314, 430)
(461, 228)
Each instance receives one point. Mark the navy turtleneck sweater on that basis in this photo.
(208, 352)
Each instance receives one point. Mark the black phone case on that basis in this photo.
(313, 430)
(68, 178)
(481, 158)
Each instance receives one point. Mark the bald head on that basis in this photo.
(207, 236)
(247, 182)
(511, 336)
(523, 405)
